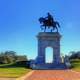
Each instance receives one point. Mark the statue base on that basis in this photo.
(48, 39)
(49, 66)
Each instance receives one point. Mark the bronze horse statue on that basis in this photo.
(48, 24)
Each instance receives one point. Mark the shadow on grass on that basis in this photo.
(17, 64)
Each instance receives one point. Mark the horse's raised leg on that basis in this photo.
(52, 29)
(45, 29)
(57, 29)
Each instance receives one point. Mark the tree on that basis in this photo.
(11, 57)
(21, 58)
(75, 55)
(8, 57)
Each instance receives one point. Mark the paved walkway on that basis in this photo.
(7, 78)
(52, 75)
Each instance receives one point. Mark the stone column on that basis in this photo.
(57, 58)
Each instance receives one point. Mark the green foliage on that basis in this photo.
(75, 60)
(13, 65)
(75, 55)
(75, 64)
(21, 58)
(8, 57)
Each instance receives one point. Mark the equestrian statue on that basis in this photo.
(49, 22)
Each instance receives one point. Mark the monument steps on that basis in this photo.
(50, 66)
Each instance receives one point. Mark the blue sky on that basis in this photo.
(19, 24)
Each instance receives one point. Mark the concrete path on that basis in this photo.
(7, 78)
(52, 75)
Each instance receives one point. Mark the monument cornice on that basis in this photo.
(49, 35)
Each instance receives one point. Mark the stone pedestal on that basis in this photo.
(48, 39)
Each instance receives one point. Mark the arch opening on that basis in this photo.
(49, 55)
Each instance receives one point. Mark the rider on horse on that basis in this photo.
(49, 18)
(48, 22)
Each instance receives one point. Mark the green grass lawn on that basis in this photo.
(75, 65)
(13, 72)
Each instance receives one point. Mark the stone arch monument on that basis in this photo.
(48, 39)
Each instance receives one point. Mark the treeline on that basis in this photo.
(74, 55)
(11, 57)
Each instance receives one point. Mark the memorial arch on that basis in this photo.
(52, 40)
(48, 39)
